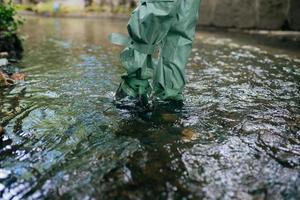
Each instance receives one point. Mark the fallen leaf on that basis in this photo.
(4, 78)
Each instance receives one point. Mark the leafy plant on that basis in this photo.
(9, 23)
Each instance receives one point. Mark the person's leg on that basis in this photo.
(147, 27)
(170, 72)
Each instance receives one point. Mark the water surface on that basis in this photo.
(237, 135)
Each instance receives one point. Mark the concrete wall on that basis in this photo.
(259, 14)
(245, 14)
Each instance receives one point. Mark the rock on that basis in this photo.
(12, 45)
(4, 174)
(2, 187)
(4, 54)
(188, 134)
(3, 62)
(18, 77)
(169, 117)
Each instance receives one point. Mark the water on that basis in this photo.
(237, 135)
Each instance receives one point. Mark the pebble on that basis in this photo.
(2, 187)
(3, 62)
(3, 55)
(188, 134)
(4, 173)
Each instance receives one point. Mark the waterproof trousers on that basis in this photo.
(161, 33)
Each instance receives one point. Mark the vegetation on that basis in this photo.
(9, 23)
(10, 44)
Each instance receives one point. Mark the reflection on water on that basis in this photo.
(237, 135)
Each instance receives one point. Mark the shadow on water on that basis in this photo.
(156, 169)
(236, 136)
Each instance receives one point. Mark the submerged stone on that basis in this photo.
(188, 134)
(3, 62)
(4, 173)
(5, 80)
(169, 117)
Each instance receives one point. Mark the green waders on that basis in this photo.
(164, 26)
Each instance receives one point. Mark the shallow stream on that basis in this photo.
(236, 137)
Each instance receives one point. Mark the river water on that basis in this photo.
(236, 137)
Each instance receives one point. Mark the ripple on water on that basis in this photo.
(239, 169)
(237, 135)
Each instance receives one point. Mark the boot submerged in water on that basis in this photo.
(124, 101)
(167, 26)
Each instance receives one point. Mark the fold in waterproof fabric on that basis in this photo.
(164, 26)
